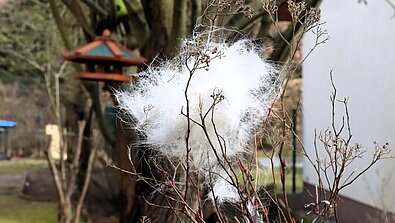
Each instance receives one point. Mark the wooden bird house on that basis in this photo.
(104, 59)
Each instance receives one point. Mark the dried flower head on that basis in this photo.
(223, 5)
(270, 6)
(239, 3)
(296, 9)
(313, 16)
(248, 12)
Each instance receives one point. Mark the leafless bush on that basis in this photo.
(331, 167)
(227, 188)
(67, 174)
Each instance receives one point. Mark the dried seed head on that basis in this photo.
(223, 5)
(248, 12)
(313, 16)
(296, 8)
(270, 6)
(239, 3)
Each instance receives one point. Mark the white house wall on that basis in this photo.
(361, 53)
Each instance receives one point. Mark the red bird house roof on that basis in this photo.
(104, 49)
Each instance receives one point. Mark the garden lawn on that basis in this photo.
(19, 166)
(265, 178)
(16, 210)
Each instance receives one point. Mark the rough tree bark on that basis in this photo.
(131, 209)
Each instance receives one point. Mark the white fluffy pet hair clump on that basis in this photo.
(157, 103)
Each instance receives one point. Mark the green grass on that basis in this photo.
(265, 179)
(16, 210)
(265, 176)
(19, 166)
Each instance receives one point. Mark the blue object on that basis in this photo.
(5, 145)
(7, 124)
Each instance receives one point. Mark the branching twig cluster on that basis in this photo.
(332, 166)
(186, 189)
(176, 180)
(64, 174)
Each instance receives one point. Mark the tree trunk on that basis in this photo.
(129, 208)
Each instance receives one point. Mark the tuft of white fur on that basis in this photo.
(223, 191)
(157, 102)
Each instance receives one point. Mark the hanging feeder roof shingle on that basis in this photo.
(104, 49)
